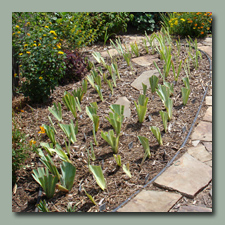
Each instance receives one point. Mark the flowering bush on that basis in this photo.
(194, 24)
(41, 60)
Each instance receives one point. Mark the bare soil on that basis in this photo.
(119, 185)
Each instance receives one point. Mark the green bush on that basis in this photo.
(39, 40)
(193, 24)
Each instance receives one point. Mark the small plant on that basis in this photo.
(70, 208)
(116, 118)
(126, 169)
(50, 133)
(112, 140)
(98, 89)
(144, 87)
(164, 116)
(48, 162)
(110, 86)
(42, 206)
(156, 66)
(92, 155)
(68, 175)
(170, 86)
(99, 58)
(79, 93)
(145, 45)
(141, 107)
(70, 130)
(62, 155)
(176, 72)
(186, 82)
(145, 143)
(163, 92)
(134, 48)
(153, 80)
(72, 103)
(157, 134)
(118, 159)
(90, 197)
(118, 46)
(151, 42)
(56, 112)
(46, 181)
(115, 68)
(98, 175)
(185, 94)
(169, 107)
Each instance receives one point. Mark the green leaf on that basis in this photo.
(126, 169)
(111, 139)
(157, 134)
(169, 108)
(90, 197)
(68, 175)
(98, 175)
(185, 94)
(145, 143)
(164, 116)
(153, 80)
(118, 159)
(56, 112)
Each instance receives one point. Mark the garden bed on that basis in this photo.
(119, 185)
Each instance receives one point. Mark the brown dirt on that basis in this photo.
(119, 186)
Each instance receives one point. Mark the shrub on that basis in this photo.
(110, 22)
(193, 24)
(76, 66)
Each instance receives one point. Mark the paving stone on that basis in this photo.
(124, 101)
(202, 132)
(209, 163)
(207, 49)
(194, 209)
(200, 153)
(112, 52)
(146, 60)
(144, 78)
(208, 146)
(208, 115)
(151, 201)
(208, 100)
(195, 143)
(186, 175)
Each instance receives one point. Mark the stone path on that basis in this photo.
(188, 175)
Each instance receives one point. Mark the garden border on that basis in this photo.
(169, 163)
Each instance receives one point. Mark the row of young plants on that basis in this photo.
(49, 177)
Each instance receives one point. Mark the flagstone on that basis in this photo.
(208, 115)
(194, 209)
(208, 146)
(195, 143)
(202, 132)
(208, 100)
(144, 78)
(200, 153)
(209, 163)
(186, 175)
(146, 60)
(112, 52)
(151, 201)
(124, 101)
(207, 49)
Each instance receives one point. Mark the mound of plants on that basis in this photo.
(193, 24)
(92, 156)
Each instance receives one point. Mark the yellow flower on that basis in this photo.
(53, 32)
(44, 35)
(15, 74)
(18, 32)
(176, 22)
(21, 54)
(60, 52)
(55, 38)
(39, 44)
(25, 45)
(58, 45)
(40, 38)
(42, 130)
(28, 52)
(17, 26)
(46, 26)
(34, 41)
(182, 19)
(20, 65)
(207, 28)
(21, 110)
(28, 34)
(13, 33)
(34, 45)
(40, 78)
(28, 23)
(32, 142)
(50, 23)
